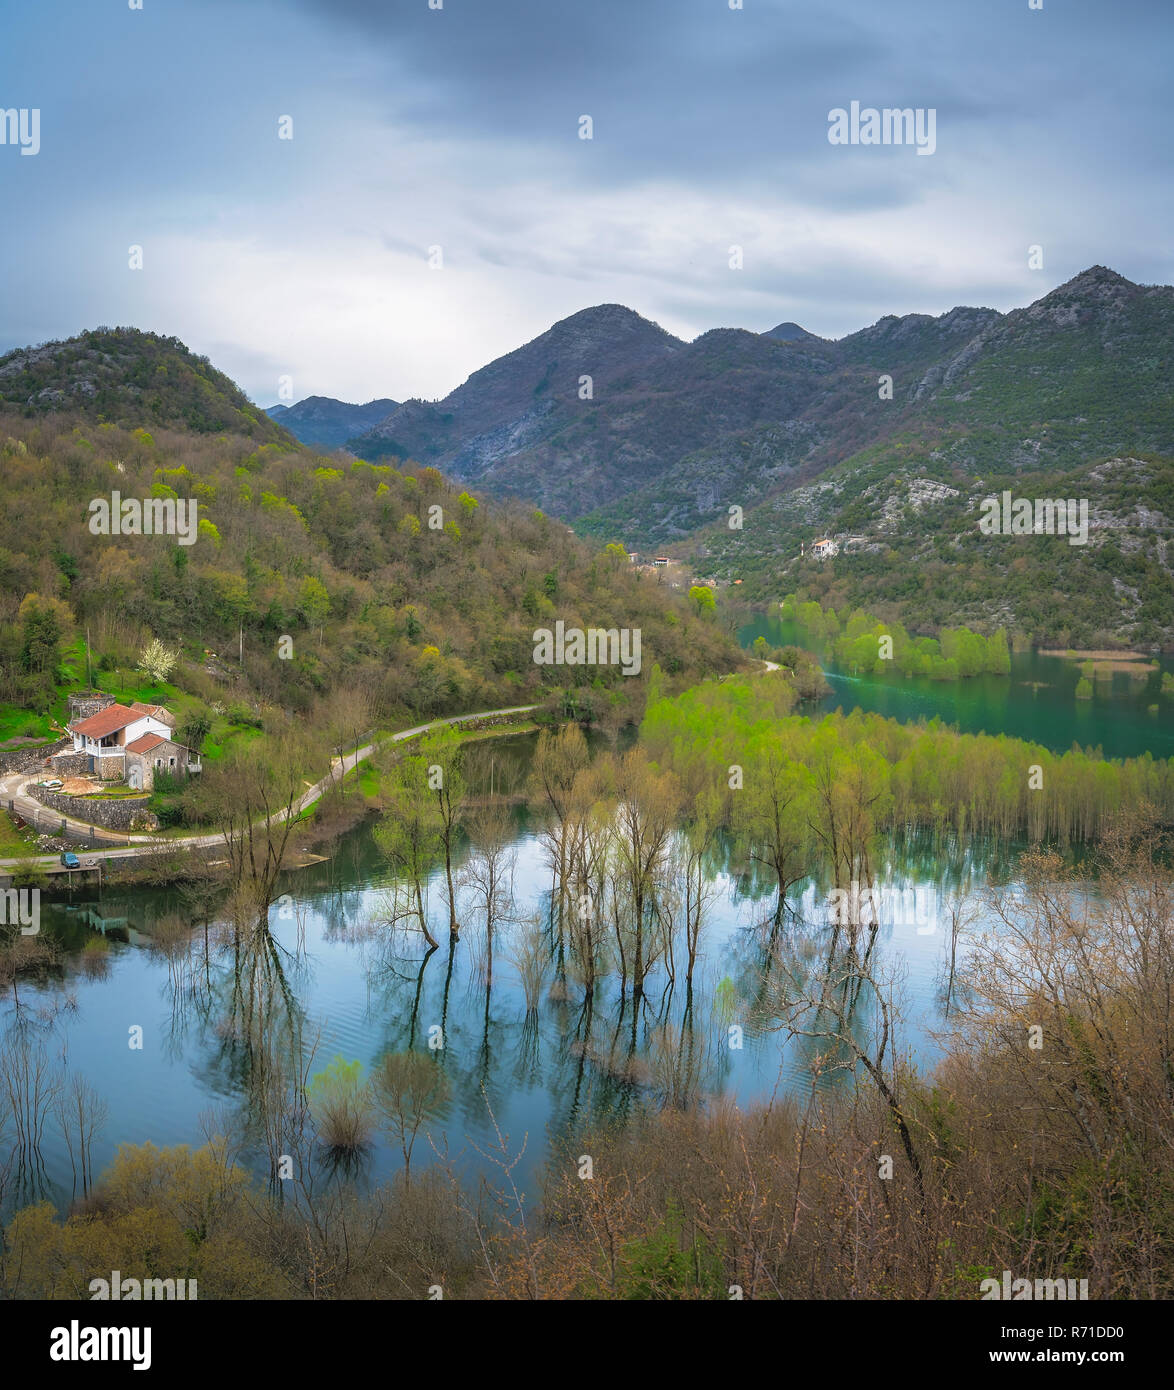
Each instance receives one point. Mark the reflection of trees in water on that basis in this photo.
(539, 1003)
(31, 1083)
(246, 987)
(544, 1007)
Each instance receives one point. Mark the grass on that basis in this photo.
(23, 723)
(114, 794)
(129, 686)
(234, 735)
(13, 842)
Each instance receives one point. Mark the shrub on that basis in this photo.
(340, 1105)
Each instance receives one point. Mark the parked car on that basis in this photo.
(70, 860)
(51, 785)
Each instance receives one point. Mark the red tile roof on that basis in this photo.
(145, 742)
(106, 721)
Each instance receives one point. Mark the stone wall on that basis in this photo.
(70, 764)
(30, 759)
(85, 703)
(519, 717)
(111, 768)
(114, 815)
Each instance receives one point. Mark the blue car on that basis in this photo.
(70, 860)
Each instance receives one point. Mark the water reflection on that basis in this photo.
(531, 1019)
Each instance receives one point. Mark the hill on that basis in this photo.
(310, 580)
(327, 423)
(129, 377)
(858, 437)
(1072, 397)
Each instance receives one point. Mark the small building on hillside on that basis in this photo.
(152, 753)
(125, 740)
(824, 548)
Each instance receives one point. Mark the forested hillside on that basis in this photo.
(127, 377)
(384, 579)
(917, 555)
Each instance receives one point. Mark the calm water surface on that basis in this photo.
(328, 978)
(1037, 701)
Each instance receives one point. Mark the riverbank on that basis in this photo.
(1036, 701)
(483, 723)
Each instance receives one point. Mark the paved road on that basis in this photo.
(12, 789)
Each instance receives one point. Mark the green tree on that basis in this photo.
(702, 598)
(45, 622)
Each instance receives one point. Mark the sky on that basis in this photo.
(459, 128)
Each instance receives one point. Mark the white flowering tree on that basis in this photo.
(157, 661)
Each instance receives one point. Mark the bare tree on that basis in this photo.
(82, 1114)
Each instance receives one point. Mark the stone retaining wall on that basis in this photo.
(114, 815)
(30, 759)
(70, 764)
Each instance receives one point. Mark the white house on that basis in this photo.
(106, 736)
(824, 548)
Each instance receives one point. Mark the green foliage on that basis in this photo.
(340, 1104)
(44, 626)
(668, 1265)
(702, 597)
(854, 638)
(920, 773)
(284, 540)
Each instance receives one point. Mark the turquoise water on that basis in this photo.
(1037, 701)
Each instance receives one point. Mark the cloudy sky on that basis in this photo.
(458, 127)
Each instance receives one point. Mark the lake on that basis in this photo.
(329, 977)
(1036, 701)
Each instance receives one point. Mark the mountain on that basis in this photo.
(327, 423)
(525, 400)
(788, 332)
(807, 435)
(325, 578)
(124, 375)
(599, 405)
(1070, 397)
